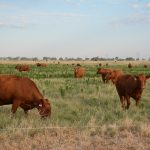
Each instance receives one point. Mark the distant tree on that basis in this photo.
(16, 58)
(130, 59)
(78, 59)
(116, 58)
(60, 59)
(87, 58)
(35, 59)
(24, 58)
(95, 58)
(53, 58)
(46, 58)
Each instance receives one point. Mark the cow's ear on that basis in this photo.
(46, 100)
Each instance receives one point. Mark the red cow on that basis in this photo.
(103, 73)
(22, 92)
(130, 86)
(23, 68)
(79, 72)
(114, 75)
(41, 65)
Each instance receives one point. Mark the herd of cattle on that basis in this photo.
(23, 92)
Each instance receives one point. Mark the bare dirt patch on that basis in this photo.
(74, 140)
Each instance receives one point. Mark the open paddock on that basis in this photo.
(86, 113)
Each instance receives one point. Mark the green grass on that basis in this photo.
(77, 102)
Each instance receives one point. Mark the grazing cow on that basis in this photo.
(103, 73)
(22, 92)
(114, 75)
(130, 86)
(145, 66)
(100, 64)
(79, 65)
(22, 68)
(79, 72)
(129, 65)
(41, 65)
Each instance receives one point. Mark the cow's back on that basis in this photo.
(126, 84)
(21, 88)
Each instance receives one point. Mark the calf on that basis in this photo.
(130, 86)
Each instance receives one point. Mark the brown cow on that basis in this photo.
(100, 64)
(114, 75)
(145, 66)
(22, 68)
(79, 72)
(22, 92)
(129, 65)
(103, 73)
(130, 86)
(41, 65)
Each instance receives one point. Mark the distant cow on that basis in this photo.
(103, 73)
(41, 65)
(79, 72)
(129, 65)
(145, 66)
(22, 92)
(100, 64)
(114, 75)
(78, 65)
(130, 86)
(23, 68)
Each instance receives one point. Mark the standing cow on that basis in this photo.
(104, 73)
(22, 92)
(130, 86)
(129, 65)
(79, 72)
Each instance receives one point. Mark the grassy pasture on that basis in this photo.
(86, 105)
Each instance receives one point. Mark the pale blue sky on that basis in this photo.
(75, 28)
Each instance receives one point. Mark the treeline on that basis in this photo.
(71, 59)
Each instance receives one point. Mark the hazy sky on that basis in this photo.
(75, 28)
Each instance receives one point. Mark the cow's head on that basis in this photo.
(109, 75)
(99, 70)
(142, 80)
(44, 108)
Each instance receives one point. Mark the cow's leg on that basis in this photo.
(26, 112)
(137, 102)
(122, 99)
(15, 105)
(103, 78)
(128, 102)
